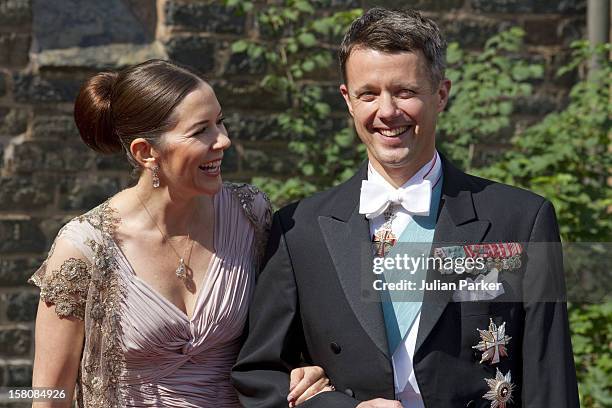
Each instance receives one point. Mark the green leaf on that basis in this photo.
(297, 72)
(291, 15)
(255, 51)
(292, 46)
(505, 108)
(307, 39)
(239, 46)
(322, 108)
(308, 65)
(304, 6)
(322, 26)
(344, 139)
(537, 71)
(308, 169)
(454, 54)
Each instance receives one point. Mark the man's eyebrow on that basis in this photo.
(361, 89)
(407, 85)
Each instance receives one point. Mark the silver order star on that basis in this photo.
(493, 343)
(501, 388)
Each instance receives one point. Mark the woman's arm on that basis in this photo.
(58, 345)
(60, 329)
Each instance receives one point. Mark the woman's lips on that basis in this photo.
(212, 168)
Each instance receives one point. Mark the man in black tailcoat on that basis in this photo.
(316, 299)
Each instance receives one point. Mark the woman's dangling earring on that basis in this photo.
(155, 170)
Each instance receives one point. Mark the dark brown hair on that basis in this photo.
(396, 31)
(114, 108)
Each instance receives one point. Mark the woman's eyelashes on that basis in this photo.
(220, 121)
(200, 131)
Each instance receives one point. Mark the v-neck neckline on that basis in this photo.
(205, 279)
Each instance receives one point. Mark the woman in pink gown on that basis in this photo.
(144, 298)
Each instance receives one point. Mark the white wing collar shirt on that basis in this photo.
(406, 387)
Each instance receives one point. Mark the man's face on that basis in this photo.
(394, 107)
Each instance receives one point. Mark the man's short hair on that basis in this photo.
(395, 31)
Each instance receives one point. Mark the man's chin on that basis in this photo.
(395, 161)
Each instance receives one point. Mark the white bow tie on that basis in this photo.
(376, 198)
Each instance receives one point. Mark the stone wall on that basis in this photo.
(47, 48)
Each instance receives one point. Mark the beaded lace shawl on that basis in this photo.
(91, 291)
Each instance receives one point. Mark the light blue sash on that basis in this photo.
(401, 308)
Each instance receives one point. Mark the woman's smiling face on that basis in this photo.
(191, 153)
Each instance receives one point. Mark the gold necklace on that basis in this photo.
(181, 270)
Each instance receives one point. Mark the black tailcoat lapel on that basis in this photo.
(457, 223)
(347, 237)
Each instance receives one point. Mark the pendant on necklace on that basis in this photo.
(181, 271)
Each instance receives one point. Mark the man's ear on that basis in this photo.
(443, 94)
(347, 98)
(143, 152)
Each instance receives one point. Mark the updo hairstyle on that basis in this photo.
(114, 108)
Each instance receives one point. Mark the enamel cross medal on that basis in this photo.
(493, 343)
(493, 346)
(384, 239)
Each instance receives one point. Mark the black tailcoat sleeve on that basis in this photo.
(275, 341)
(549, 375)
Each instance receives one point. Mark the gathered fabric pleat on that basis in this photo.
(175, 361)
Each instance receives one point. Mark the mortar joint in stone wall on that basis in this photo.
(161, 33)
